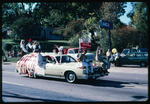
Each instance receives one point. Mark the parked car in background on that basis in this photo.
(134, 58)
(130, 50)
(142, 50)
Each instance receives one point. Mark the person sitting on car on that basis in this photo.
(81, 58)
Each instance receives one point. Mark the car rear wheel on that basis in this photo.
(143, 64)
(70, 77)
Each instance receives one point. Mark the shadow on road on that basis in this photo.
(24, 98)
(131, 66)
(139, 97)
(97, 82)
(106, 83)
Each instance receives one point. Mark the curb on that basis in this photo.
(6, 63)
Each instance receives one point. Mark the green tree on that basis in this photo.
(111, 11)
(139, 19)
(24, 27)
(13, 11)
(125, 37)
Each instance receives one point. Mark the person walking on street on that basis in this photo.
(99, 59)
(117, 59)
(108, 56)
(23, 49)
(99, 54)
(29, 46)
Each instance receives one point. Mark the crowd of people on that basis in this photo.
(30, 47)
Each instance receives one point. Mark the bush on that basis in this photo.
(74, 41)
(8, 47)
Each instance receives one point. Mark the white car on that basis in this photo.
(54, 65)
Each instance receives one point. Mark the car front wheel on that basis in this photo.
(70, 77)
(143, 64)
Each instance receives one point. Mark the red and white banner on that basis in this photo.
(85, 43)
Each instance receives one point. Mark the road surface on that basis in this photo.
(127, 83)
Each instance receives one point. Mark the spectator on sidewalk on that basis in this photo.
(108, 56)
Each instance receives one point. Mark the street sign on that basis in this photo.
(85, 43)
(105, 24)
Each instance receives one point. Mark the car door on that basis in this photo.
(136, 59)
(52, 68)
(126, 60)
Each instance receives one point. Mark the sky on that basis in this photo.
(124, 18)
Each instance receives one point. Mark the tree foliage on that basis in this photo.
(125, 37)
(72, 19)
(111, 11)
(23, 28)
(139, 19)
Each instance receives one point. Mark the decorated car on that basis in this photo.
(56, 66)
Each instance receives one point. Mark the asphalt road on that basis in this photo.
(127, 83)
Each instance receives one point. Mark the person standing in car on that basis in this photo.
(23, 49)
(36, 47)
(29, 46)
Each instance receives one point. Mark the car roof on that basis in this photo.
(138, 53)
(52, 54)
(76, 48)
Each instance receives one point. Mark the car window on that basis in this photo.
(49, 59)
(65, 59)
(90, 56)
(132, 55)
(125, 51)
(76, 50)
(71, 51)
(139, 55)
(146, 55)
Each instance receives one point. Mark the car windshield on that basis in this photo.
(65, 59)
(125, 51)
(77, 50)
